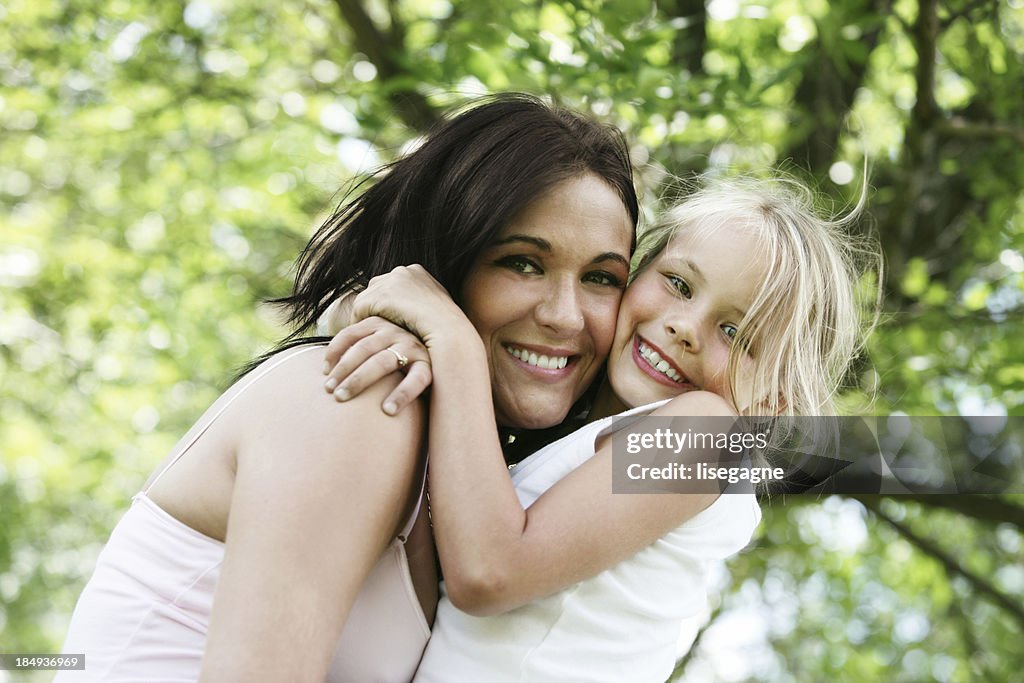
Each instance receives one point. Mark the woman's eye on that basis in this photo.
(680, 285)
(520, 264)
(730, 331)
(601, 277)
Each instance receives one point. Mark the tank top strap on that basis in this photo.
(252, 379)
(403, 536)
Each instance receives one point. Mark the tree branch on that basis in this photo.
(925, 35)
(906, 224)
(959, 126)
(689, 43)
(830, 81)
(975, 651)
(981, 508)
(953, 568)
(381, 49)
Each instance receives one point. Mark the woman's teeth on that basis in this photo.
(545, 362)
(658, 364)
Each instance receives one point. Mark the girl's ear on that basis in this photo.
(765, 407)
(781, 405)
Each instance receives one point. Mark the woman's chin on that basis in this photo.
(534, 414)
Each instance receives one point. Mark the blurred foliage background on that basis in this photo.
(161, 164)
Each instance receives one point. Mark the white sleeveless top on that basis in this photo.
(621, 625)
(144, 614)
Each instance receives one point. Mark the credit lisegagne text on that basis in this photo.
(703, 472)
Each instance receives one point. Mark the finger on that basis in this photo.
(342, 341)
(368, 372)
(353, 334)
(358, 354)
(416, 381)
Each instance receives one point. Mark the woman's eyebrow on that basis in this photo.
(612, 256)
(544, 245)
(535, 241)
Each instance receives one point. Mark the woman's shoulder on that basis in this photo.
(286, 391)
(298, 356)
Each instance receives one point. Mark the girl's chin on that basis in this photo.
(643, 390)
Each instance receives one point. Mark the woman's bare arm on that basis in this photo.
(320, 490)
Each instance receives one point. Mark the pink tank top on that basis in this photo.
(144, 614)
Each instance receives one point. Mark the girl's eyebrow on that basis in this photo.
(544, 245)
(689, 265)
(696, 271)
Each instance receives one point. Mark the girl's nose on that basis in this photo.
(683, 330)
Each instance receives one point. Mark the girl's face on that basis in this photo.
(679, 317)
(544, 297)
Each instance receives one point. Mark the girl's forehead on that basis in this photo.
(710, 234)
(730, 256)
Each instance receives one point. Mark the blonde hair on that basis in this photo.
(817, 303)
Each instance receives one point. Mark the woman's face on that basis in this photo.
(679, 317)
(544, 297)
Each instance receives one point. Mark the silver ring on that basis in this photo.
(402, 360)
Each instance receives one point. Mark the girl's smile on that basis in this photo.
(658, 365)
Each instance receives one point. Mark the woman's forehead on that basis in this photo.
(583, 215)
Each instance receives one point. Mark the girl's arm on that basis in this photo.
(366, 351)
(495, 555)
(320, 489)
(375, 347)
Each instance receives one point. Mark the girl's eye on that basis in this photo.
(680, 285)
(520, 264)
(745, 343)
(601, 277)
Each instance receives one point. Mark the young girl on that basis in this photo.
(743, 302)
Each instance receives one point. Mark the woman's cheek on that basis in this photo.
(605, 324)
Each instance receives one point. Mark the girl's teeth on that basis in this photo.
(658, 363)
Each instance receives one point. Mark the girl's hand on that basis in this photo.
(366, 351)
(410, 297)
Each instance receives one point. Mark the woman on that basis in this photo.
(282, 518)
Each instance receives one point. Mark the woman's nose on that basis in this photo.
(561, 310)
